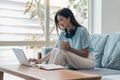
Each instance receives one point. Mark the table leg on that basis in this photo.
(1, 75)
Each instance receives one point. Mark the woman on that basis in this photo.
(75, 38)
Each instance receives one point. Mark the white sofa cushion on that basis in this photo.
(111, 57)
(97, 45)
(111, 77)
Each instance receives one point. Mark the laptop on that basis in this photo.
(20, 55)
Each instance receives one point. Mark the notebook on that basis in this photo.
(21, 57)
(50, 66)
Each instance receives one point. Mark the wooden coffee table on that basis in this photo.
(34, 73)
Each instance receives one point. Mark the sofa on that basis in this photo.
(106, 49)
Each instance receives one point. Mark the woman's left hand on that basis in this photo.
(66, 46)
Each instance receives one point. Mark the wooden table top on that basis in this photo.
(34, 73)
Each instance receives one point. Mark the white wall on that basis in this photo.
(105, 16)
(110, 16)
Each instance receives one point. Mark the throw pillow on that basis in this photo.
(111, 57)
(97, 44)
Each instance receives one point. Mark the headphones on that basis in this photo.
(71, 33)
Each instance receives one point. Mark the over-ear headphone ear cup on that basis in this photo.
(71, 33)
(66, 33)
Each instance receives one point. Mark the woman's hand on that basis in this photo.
(35, 60)
(66, 46)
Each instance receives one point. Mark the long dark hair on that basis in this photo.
(66, 12)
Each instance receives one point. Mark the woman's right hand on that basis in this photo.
(35, 60)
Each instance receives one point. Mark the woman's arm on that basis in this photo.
(46, 58)
(83, 52)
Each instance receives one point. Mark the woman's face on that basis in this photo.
(63, 22)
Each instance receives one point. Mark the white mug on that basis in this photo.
(61, 44)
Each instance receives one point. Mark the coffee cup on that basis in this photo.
(61, 44)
